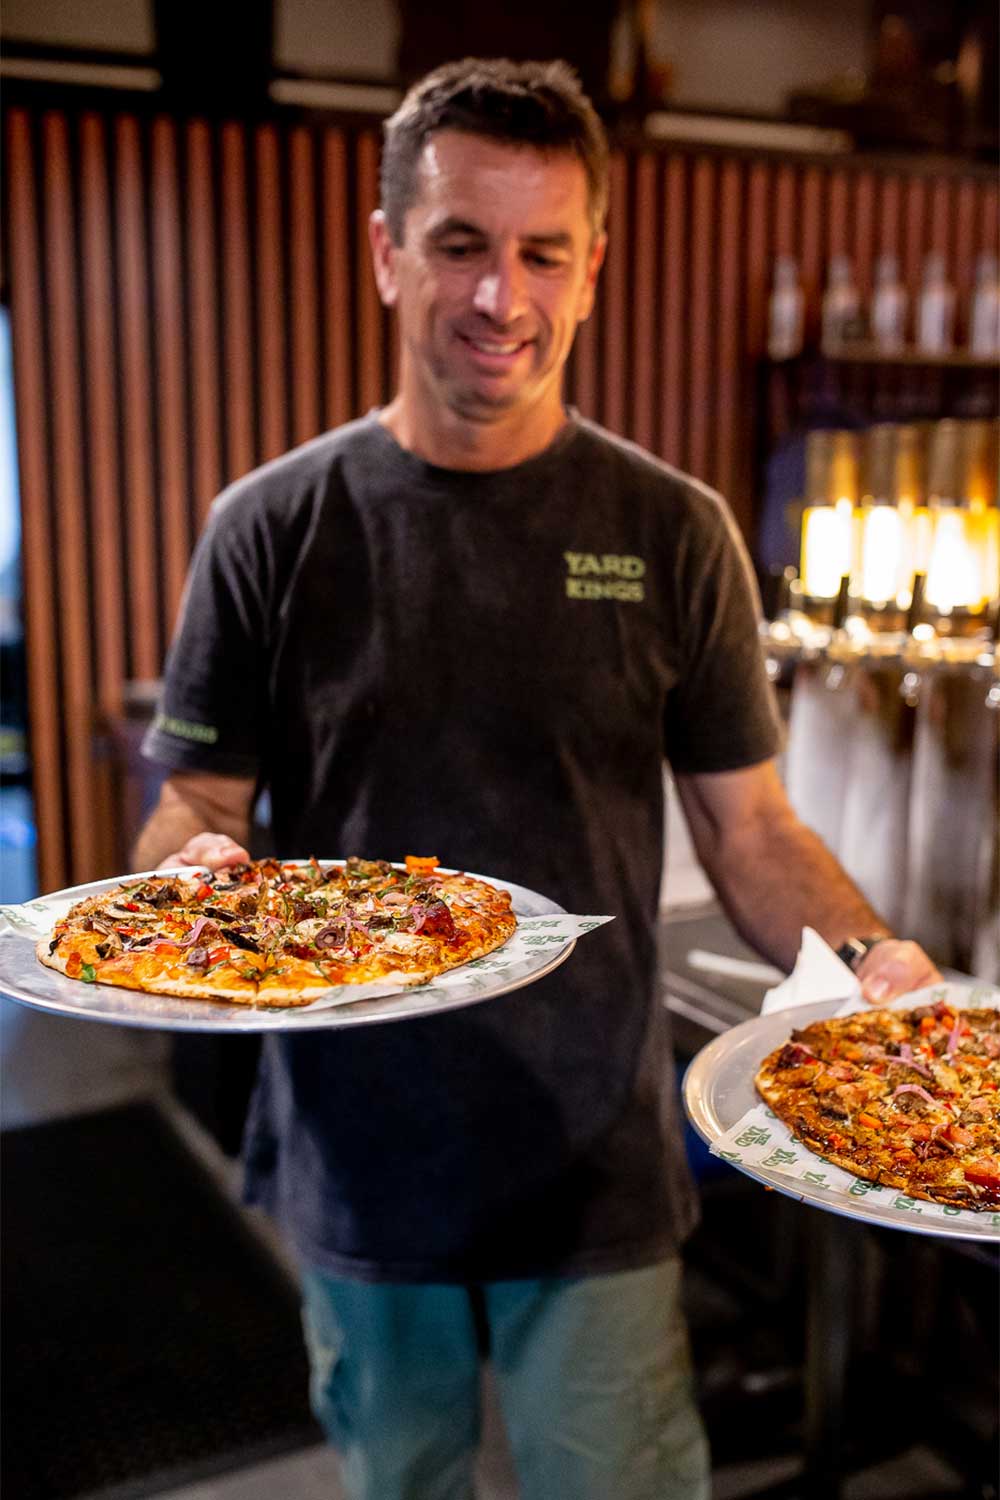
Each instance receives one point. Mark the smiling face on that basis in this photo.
(497, 267)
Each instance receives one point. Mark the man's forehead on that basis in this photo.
(466, 176)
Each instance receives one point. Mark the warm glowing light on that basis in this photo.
(955, 576)
(985, 535)
(826, 549)
(881, 554)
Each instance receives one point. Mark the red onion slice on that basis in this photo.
(913, 1088)
(195, 932)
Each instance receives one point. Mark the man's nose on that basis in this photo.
(499, 292)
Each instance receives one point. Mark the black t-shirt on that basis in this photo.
(490, 668)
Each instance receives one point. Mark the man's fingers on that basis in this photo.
(213, 850)
(894, 968)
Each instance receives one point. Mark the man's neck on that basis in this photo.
(451, 441)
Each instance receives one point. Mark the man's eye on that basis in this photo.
(458, 250)
(543, 261)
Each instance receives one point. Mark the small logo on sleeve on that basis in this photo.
(605, 575)
(184, 729)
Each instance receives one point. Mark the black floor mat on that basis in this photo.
(148, 1339)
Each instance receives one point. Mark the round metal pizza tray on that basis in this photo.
(24, 979)
(719, 1091)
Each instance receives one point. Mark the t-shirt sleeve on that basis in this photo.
(211, 710)
(721, 715)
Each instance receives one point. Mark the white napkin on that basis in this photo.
(818, 975)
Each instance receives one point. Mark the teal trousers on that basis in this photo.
(593, 1375)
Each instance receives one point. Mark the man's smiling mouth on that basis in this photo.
(496, 347)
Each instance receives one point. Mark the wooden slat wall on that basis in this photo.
(191, 298)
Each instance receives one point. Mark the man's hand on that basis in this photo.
(214, 851)
(191, 803)
(894, 967)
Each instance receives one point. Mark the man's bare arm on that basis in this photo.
(775, 876)
(200, 819)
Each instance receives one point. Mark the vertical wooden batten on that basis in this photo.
(173, 447)
(303, 290)
(141, 503)
(204, 303)
(272, 367)
(237, 301)
(34, 448)
(72, 536)
(336, 281)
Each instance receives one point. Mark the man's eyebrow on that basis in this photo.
(454, 226)
(559, 239)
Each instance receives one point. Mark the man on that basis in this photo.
(472, 624)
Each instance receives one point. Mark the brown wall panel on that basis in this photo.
(370, 351)
(33, 441)
(104, 474)
(727, 421)
(71, 536)
(190, 298)
(643, 279)
(272, 364)
(812, 268)
(613, 302)
(204, 303)
(672, 374)
(237, 299)
(172, 445)
(134, 314)
(701, 292)
(337, 288)
(303, 290)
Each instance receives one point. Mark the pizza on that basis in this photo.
(909, 1098)
(278, 933)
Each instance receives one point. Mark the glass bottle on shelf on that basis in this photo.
(786, 311)
(841, 322)
(935, 308)
(889, 306)
(984, 314)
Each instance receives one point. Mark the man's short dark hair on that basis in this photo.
(538, 104)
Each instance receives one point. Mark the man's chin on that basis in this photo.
(484, 406)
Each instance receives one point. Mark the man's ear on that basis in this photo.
(595, 260)
(383, 258)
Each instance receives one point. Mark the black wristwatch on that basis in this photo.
(855, 949)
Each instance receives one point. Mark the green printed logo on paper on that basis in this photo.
(605, 575)
(909, 1204)
(780, 1158)
(818, 1178)
(730, 1156)
(184, 729)
(541, 939)
(754, 1135)
(860, 1186)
